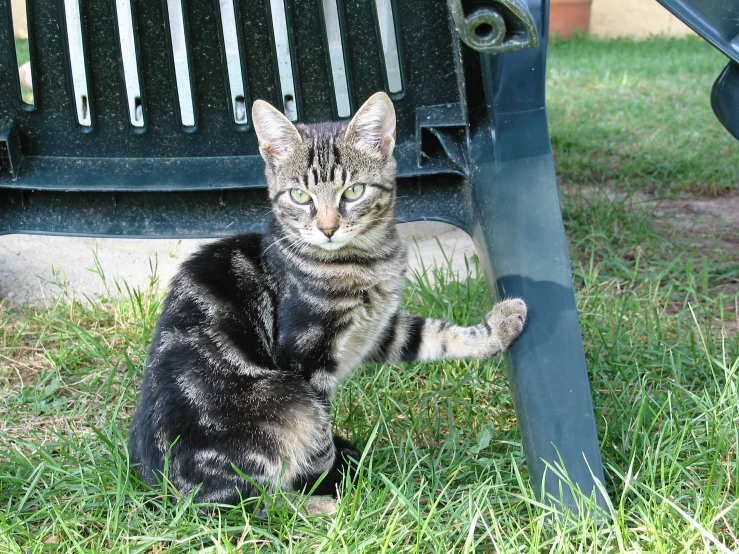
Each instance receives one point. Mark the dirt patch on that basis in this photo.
(21, 364)
(707, 222)
(710, 225)
(701, 221)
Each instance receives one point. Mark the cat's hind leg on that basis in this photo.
(345, 454)
(275, 432)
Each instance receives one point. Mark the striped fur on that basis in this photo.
(259, 330)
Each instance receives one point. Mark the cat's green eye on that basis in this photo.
(300, 196)
(353, 192)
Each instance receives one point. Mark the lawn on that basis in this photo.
(638, 116)
(444, 470)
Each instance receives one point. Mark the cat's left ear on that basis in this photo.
(278, 138)
(373, 127)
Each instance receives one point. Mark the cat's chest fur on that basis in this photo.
(326, 332)
(365, 324)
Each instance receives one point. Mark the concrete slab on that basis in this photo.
(34, 268)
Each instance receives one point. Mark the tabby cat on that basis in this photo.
(258, 330)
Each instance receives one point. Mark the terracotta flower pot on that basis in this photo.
(568, 16)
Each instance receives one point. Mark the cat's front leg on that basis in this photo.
(417, 338)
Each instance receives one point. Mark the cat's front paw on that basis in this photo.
(507, 319)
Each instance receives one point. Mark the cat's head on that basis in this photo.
(331, 184)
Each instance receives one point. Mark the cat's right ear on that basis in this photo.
(278, 138)
(372, 129)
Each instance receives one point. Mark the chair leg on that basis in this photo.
(517, 227)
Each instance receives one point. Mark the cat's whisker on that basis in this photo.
(265, 214)
(279, 241)
(297, 248)
(303, 248)
(367, 245)
(381, 219)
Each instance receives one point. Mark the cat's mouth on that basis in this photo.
(332, 243)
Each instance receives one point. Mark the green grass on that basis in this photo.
(23, 55)
(21, 51)
(444, 469)
(638, 115)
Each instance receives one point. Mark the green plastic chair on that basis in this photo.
(150, 136)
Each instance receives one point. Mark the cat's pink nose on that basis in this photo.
(328, 231)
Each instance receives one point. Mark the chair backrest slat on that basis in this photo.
(9, 87)
(159, 85)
